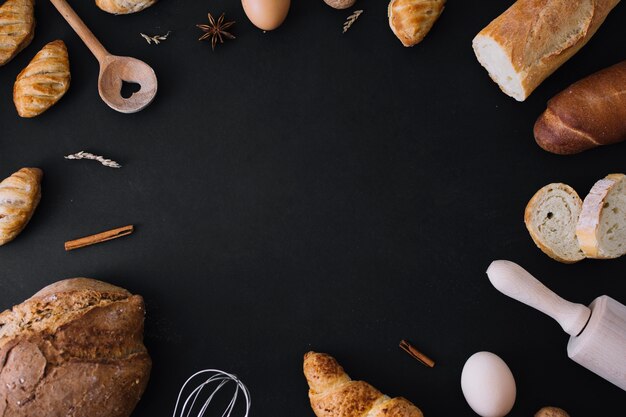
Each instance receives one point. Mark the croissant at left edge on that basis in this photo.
(19, 197)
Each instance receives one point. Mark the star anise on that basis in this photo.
(216, 30)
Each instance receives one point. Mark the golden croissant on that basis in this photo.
(43, 82)
(19, 196)
(17, 27)
(334, 394)
(411, 20)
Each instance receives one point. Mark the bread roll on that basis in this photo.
(19, 197)
(43, 82)
(551, 217)
(17, 27)
(601, 228)
(551, 412)
(340, 4)
(333, 394)
(73, 349)
(589, 113)
(124, 6)
(411, 20)
(532, 38)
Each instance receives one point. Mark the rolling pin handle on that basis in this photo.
(514, 281)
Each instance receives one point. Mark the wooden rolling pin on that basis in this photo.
(597, 333)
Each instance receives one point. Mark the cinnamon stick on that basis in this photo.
(99, 237)
(416, 354)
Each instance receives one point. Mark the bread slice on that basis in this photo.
(601, 229)
(551, 217)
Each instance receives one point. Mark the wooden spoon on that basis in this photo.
(114, 69)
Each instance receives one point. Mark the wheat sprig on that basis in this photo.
(351, 19)
(157, 39)
(86, 155)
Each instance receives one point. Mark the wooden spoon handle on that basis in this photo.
(81, 29)
(514, 281)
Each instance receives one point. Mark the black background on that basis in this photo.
(305, 189)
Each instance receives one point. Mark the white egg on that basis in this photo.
(488, 385)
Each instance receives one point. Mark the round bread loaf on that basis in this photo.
(75, 348)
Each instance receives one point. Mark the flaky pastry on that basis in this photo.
(19, 197)
(411, 20)
(44, 81)
(17, 27)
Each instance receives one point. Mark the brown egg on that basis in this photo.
(266, 14)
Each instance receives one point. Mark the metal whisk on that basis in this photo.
(216, 380)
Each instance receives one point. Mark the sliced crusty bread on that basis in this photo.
(601, 228)
(551, 216)
(533, 38)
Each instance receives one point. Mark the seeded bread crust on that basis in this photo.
(75, 348)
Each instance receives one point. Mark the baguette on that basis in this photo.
(532, 38)
(589, 113)
(601, 229)
(551, 216)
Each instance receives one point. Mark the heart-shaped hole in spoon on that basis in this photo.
(129, 88)
(116, 73)
(114, 69)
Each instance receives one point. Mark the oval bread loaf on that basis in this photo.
(601, 228)
(75, 348)
(551, 217)
(589, 113)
